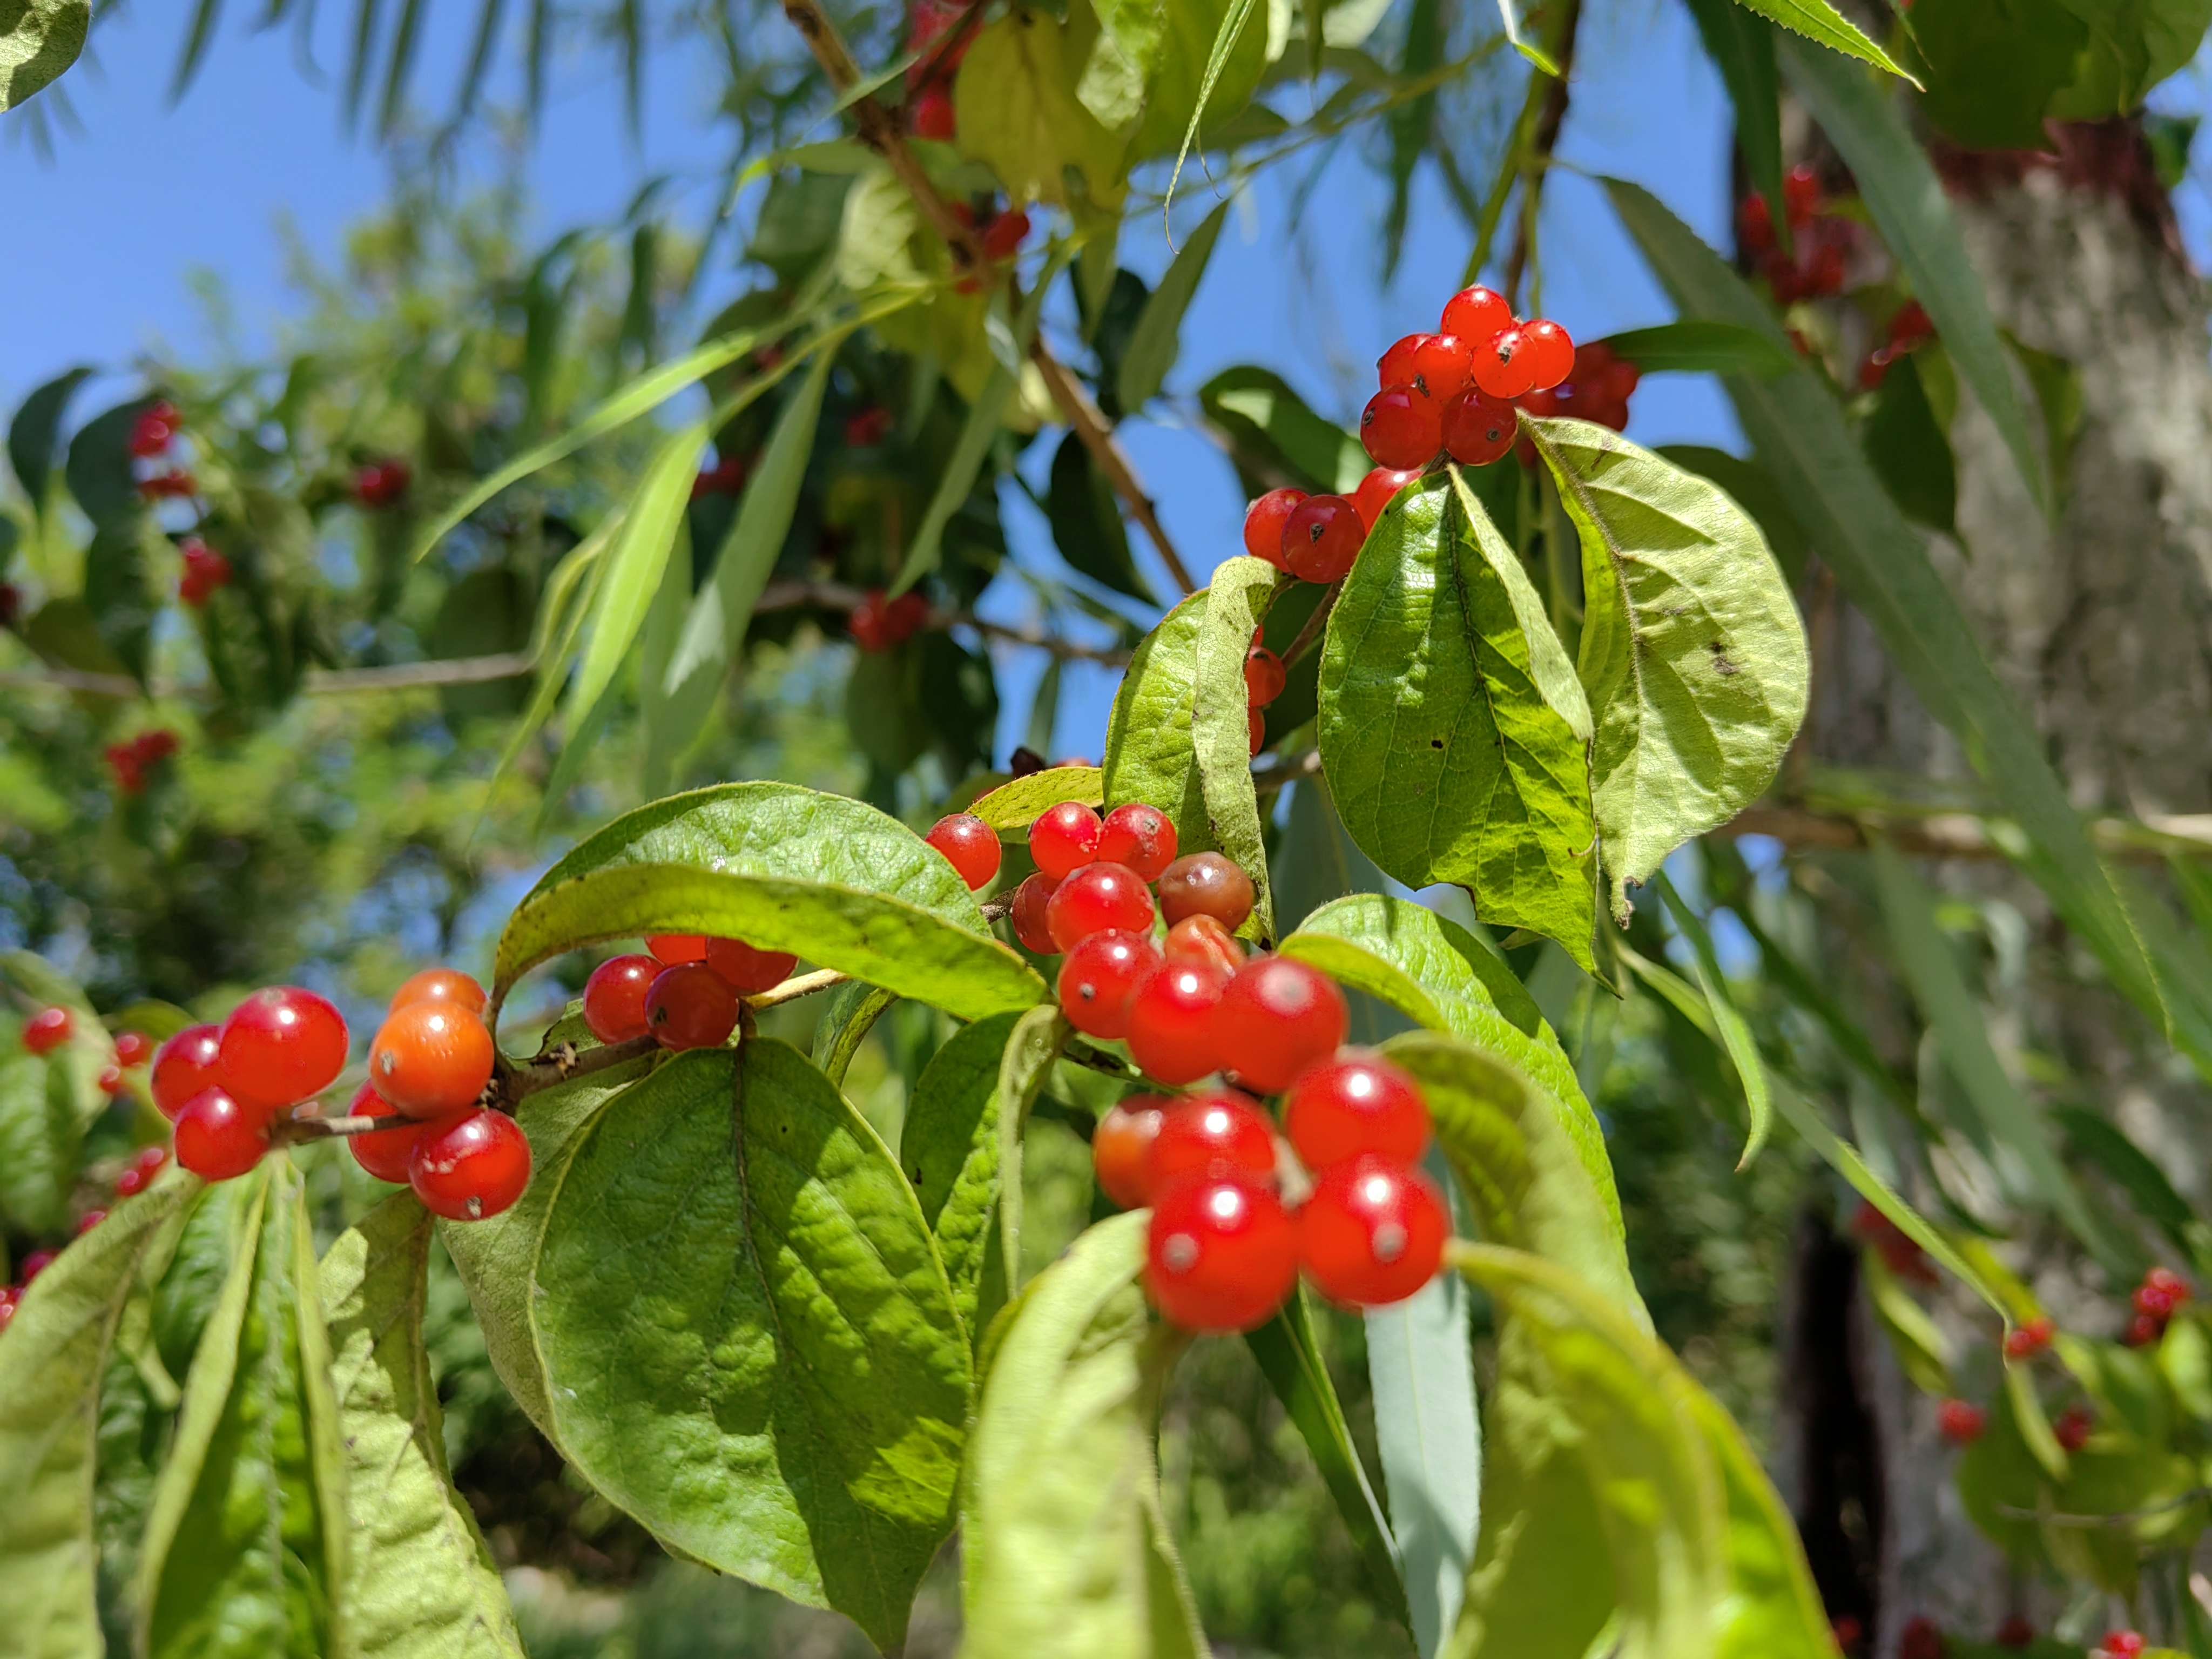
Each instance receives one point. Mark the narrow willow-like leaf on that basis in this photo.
(1018, 805)
(1446, 760)
(1537, 57)
(1818, 21)
(1697, 347)
(1741, 47)
(949, 1148)
(1735, 1030)
(34, 433)
(52, 1361)
(1221, 739)
(788, 869)
(748, 1337)
(1273, 433)
(1034, 1044)
(1063, 1549)
(1153, 343)
(1692, 651)
(43, 39)
(1233, 20)
(406, 39)
(424, 1585)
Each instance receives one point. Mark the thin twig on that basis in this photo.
(1542, 141)
(1314, 624)
(394, 676)
(832, 596)
(1287, 768)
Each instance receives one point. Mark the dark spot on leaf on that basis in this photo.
(1436, 742)
(1721, 663)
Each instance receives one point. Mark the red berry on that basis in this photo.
(281, 1046)
(1139, 838)
(1550, 352)
(88, 1220)
(1201, 939)
(1031, 900)
(1434, 363)
(1920, 1639)
(2122, 1644)
(1265, 676)
(931, 115)
(154, 429)
(1278, 1016)
(219, 1137)
(131, 1182)
(1220, 1255)
(206, 571)
(970, 846)
(1396, 366)
(1264, 521)
(1479, 429)
(1875, 369)
(48, 1028)
(1257, 726)
(878, 625)
(473, 1166)
(382, 482)
(111, 1079)
(133, 1049)
(1754, 224)
(1381, 487)
(1098, 978)
(1204, 1137)
(431, 1061)
(2144, 1329)
(150, 1159)
(1120, 1147)
(2171, 1283)
(865, 429)
(448, 987)
(1402, 426)
(2156, 1300)
(384, 1153)
(1099, 899)
(1372, 1233)
(1322, 539)
(9, 1298)
(1205, 885)
(2071, 1427)
(1959, 1422)
(1478, 316)
(1506, 368)
(2015, 1633)
(1171, 1019)
(669, 949)
(1354, 1103)
(1064, 839)
(690, 1006)
(745, 970)
(1801, 194)
(2026, 1340)
(1004, 235)
(614, 998)
(34, 1264)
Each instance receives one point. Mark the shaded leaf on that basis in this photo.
(847, 1017)
(1189, 63)
(1700, 348)
(1020, 113)
(1150, 351)
(1910, 452)
(1086, 522)
(98, 470)
(949, 1148)
(1741, 47)
(1274, 437)
(1236, 600)
(1035, 1043)
(42, 39)
(35, 434)
(1994, 67)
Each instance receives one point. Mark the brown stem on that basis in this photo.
(832, 596)
(1965, 834)
(1541, 143)
(1314, 624)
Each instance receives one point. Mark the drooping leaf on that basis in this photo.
(98, 470)
(1236, 600)
(1017, 805)
(1087, 523)
(1276, 438)
(1692, 650)
(52, 1360)
(1908, 447)
(2093, 1140)
(1020, 111)
(1168, 47)
(1741, 47)
(1818, 21)
(1032, 1047)
(1446, 760)
(1152, 345)
(1700, 348)
(749, 1339)
(42, 39)
(949, 1148)
(1232, 37)
(1064, 1549)
(423, 1583)
(41, 1137)
(35, 434)
(786, 869)
(1735, 1030)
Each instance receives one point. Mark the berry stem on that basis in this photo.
(1309, 634)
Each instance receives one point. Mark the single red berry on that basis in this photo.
(1171, 1019)
(1961, 1422)
(690, 1006)
(1754, 224)
(111, 1080)
(385, 1153)
(871, 625)
(448, 987)
(867, 428)
(34, 1264)
(431, 1061)
(1095, 899)
(746, 970)
(1031, 901)
(1120, 1147)
(133, 1049)
(970, 846)
(1920, 1639)
(1849, 1633)
(2154, 1300)
(1550, 351)
(2124, 1644)
(1478, 316)
(1402, 426)
(132, 1181)
(2171, 1283)
(218, 1137)
(1381, 487)
(1265, 676)
(1220, 1255)
(1278, 1016)
(152, 433)
(1479, 429)
(1003, 236)
(139, 1174)
(1801, 194)
(283, 1045)
(1875, 369)
(150, 1159)
(1353, 1103)
(1201, 939)
(1064, 839)
(1139, 837)
(88, 1220)
(1506, 367)
(2025, 1340)
(1322, 539)
(1255, 724)
(2072, 1426)
(1205, 885)
(2143, 1330)
(931, 115)
(1100, 974)
(48, 1028)
(669, 949)
(1204, 1137)
(2015, 1633)
(474, 1166)
(1264, 522)
(1372, 1233)
(614, 998)
(1396, 366)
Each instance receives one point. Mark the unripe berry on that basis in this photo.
(473, 1166)
(1478, 315)
(1098, 977)
(48, 1028)
(1264, 520)
(745, 970)
(430, 1060)
(1550, 351)
(1220, 1255)
(1139, 837)
(1372, 1233)
(1351, 1104)
(448, 987)
(1381, 487)
(1095, 899)
(1201, 939)
(384, 1153)
(1032, 899)
(218, 1138)
(1959, 1422)
(1120, 1147)
(690, 1006)
(1322, 538)
(1171, 1020)
(614, 998)
(1205, 885)
(1506, 368)
(1265, 678)
(1064, 839)
(1277, 1018)
(1402, 426)
(281, 1046)
(970, 846)
(1203, 1137)
(1479, 429)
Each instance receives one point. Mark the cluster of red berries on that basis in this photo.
(206, 571)
(684, 995)
(2029, 1337)
(1453, 391)
(879, 624)
(929, 78)
(1820, 241)
(1922, 1639)
(725, 478)
(224, 1086)
(381, 483)
(1961, 1421)
(1000, 234)
(174, 484)
(2124, 1644)
(131, 761)
(137, 1175)
(1265, 679)
(1899, 1253)
(155, 431)
(1910, 326)
(867, 428)
(2161, 1294)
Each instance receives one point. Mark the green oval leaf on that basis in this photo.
(1022, 114)
(949, 1148)
(748, 1336)
(1692, 651)
(1035, 1044)
(1018, 805)
(787, 869)
(1701, 347)
(1446, 760)
(43, 38)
